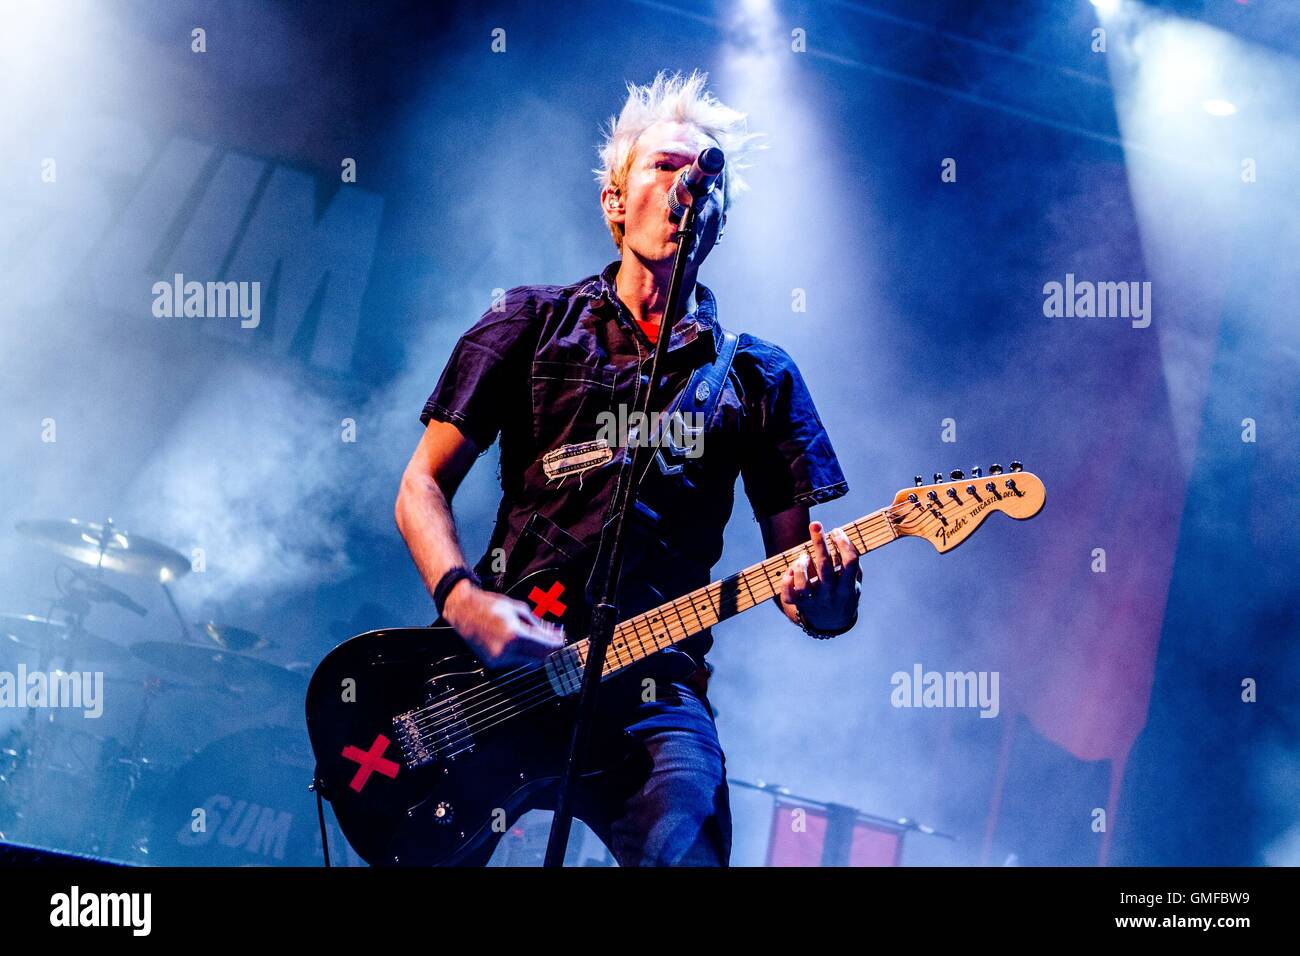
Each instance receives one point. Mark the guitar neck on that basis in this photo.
(661, 627)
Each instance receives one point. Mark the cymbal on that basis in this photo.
(107, 547)
(41, 633)
(232, 638)
(214, 666)
(30, 630)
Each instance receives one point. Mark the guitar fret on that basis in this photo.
(650, 634)
(855, 537)
(744, 579)
(871, 523)
(779, 570)
(699, 624)
(626, 638)
(658, 628)
(715, 606)
(676, 610)
(654, 634)
(637, 623)
(626, 655)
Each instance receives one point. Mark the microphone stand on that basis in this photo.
(609, 559)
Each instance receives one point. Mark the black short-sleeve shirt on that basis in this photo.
(548, 366)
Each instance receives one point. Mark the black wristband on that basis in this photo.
(824, 635)
(449, 580)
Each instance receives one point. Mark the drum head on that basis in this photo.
(241, 801)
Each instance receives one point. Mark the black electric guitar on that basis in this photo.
(426, 755)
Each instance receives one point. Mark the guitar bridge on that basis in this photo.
(436, 730)
(416, 751)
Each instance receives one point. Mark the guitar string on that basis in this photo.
(515, 706)
(546, 692)
(461, 737)
(542, 690)
(466, 732)
(437, 719)
(638, 639)
(464, 735)
(435, 711)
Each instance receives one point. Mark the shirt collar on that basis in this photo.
(699, 323)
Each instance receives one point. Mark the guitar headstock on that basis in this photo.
(947, 512)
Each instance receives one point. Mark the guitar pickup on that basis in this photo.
(433, 731)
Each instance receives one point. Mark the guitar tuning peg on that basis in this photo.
(976, 472)
(1016, 466)
(937, 478)
(995, 469)
(919, 481)
(957, 474)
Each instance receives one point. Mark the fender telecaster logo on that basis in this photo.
(944, 532)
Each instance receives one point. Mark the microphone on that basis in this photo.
(695, 182)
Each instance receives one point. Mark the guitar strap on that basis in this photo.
(698, 401)
(666, 472)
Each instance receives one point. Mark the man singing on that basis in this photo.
(543, 370)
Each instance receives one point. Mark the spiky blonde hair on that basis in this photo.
(685, 100)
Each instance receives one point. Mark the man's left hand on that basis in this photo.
(826, 596)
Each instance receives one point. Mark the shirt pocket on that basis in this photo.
(568, 400)
(544, 545)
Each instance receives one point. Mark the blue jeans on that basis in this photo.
(663, 801)
(666, 803)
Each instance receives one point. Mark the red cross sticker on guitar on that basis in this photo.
(369, 761)
(548, 601)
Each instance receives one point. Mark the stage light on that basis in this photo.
(1105, 7)
(1219, 107)
(1179, 66)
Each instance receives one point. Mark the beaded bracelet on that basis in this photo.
(824, 635)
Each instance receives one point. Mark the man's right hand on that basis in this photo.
(500, 630)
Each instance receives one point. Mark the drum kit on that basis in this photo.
(237, 799)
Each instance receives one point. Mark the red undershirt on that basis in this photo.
(651, 330)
